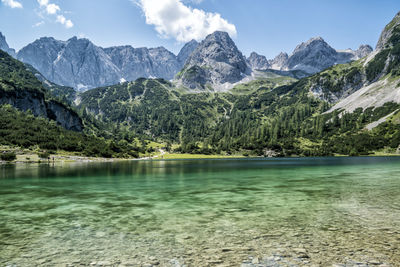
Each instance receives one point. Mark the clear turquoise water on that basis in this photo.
(201, 212)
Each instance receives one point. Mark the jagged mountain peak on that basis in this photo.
(73, 38)
(4, 46)
(389, 33)
(363, 50)
(46, 38)
(218, 36)
(316, 39)
(365, 46)
(215, 61)
(258, 62)
(280, 61)
(282, 55)
(218, 47)
(46, 41)
(191, 43)
(315, 43)
(161, 49)
(186, 51)
(312, 56)
(119, 46)
(217, 40)
(81, 44)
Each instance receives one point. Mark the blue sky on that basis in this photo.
(265, 26)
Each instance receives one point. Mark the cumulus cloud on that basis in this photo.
(172, 18)
(43, 2)
(53, 9)
(66, 22)
(12, 3)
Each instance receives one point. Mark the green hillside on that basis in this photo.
(24, 130)
(31, 116)
(285, 119)
(273, 115)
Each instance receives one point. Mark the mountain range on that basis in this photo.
(312, 57)
(217, 103)
(80, 64)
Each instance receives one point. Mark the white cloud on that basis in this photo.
(12, 3)
(40, 23)
(66, 22)
(53, 9)
(172, 18)
(43, 2)
(69, 24)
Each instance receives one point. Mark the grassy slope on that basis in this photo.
(269, 113)
(155, 109)
(22, 129)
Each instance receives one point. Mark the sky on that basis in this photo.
(267, 27)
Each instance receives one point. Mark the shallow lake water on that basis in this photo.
(245, 212)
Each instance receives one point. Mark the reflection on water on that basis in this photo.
(202, 212)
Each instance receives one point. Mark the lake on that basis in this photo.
(244, 212)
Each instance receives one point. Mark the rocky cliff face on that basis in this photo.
(165, 63)
(80, 64)
(388, 32)
(41, 54)
(280, 61)
(76, 63)
(4, 46)
(20, 88)
(344, 56)
(258, 62)
(186, 51)
(216, 61)
(312, 56)
(363, 51)
(35, 102)
(64, 116)
(143, 62)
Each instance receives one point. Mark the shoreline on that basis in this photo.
(164, 156)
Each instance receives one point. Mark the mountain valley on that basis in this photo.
(209, 99)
